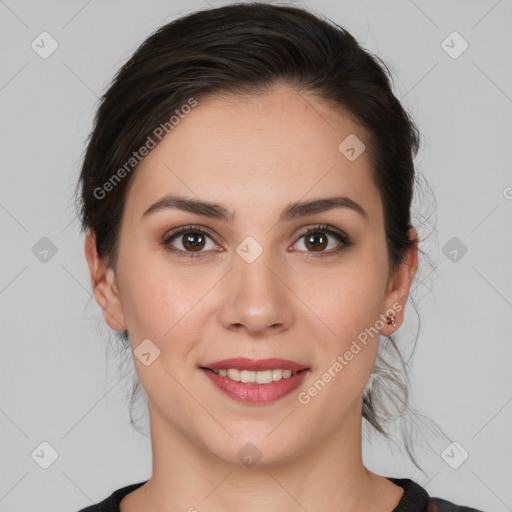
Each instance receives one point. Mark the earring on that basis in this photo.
(390, 320)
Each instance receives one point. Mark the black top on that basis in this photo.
(414, 499)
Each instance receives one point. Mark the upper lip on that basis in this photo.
(242, 363)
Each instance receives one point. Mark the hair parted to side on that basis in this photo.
(248, 49)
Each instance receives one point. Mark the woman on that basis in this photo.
(246, 193)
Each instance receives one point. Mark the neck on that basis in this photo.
(328, 474)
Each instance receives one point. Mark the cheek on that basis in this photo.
(350, 299)
(157, 297)
(349, 355)
(351, 304)
(160, 304)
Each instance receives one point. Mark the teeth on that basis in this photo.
(233, 374)
(260, 377)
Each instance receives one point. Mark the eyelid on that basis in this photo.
(322, 227)
(343, 239)
(188, 227)
(173, 233)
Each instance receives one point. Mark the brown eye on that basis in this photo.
(193, 241)
(189, 241)
(317, 241)
(324, 241)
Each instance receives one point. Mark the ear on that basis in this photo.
(103, 282)
(400, 284)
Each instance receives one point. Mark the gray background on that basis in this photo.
(58, 386)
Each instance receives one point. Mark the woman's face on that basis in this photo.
(252, 286)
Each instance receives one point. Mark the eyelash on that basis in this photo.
(344, 240)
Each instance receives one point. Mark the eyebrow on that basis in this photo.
(217, 211)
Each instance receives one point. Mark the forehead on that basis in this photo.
(256, 153)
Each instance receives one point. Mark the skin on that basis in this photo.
(254, 156)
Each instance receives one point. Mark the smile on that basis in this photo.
(258, 377)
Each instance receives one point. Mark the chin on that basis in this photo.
(257, 451)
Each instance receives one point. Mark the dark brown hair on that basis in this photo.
(247, 49)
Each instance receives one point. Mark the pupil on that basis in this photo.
(315, 242)
(190, 240)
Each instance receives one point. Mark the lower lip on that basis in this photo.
(251, 393)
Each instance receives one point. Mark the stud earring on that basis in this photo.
(390, 320)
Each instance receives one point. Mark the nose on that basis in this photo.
(258, 298)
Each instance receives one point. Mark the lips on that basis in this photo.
(253, 393)
(242, 363)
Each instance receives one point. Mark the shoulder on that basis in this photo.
(111, 503)
(416, 499)
(102, 506)
(441, 505)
